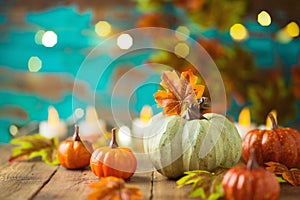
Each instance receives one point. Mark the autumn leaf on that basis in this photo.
(114, 188)
(179, 92)
(32, 146)
(290, 175)
(205, 184)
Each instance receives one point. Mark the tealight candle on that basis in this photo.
(92, 128)
(139, 124)
(53, 127)
(244, 124)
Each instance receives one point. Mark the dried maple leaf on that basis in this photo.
(114, 188)
(206, 185)
(290, 175)
(32, 146)
(179, 92)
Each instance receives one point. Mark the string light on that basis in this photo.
(182, 33)
(34, 64)
(49, 39)
(238, 32)
(264, 18)
(103, 28)
(182, 50)
(124, 41)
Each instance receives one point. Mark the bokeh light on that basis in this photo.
(34, 64)
(180, 31)
(292, 29)
(103, 28)
(124, 41)
(79, 113)
(264, 18)
(49, 39)
(238, 32)
(13, 130)
(39, 36)
(182, 50)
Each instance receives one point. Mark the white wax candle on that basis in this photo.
(53, 127)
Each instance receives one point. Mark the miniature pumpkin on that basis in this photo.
(73, 153)
(113, 160)
(278, 145)
(250, 182)
(205, 142)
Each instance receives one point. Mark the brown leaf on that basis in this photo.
(114, 188)
(179, 92)
(290, 175)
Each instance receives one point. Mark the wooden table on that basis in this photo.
(36, 180)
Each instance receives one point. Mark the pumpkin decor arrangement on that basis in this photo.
(182, 138)
(279, 144)
(113, 160)
(74, 153)
(250, 182)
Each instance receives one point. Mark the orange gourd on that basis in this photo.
(113, 160)
(278, 145)
(73, 153)
(250, 182)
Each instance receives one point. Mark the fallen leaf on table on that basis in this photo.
(205, 184)
(179, 91)
(290, 175)
(32, 146)
(114, 188)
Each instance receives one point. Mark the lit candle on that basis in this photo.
(92, 128)
(268, 125)
(124, 138)
(139, 124)
(244, 124)
(53, 127)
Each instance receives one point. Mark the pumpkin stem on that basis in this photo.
(113, 142)
(76, 133)
(195, 110)
(273, 120)
(252, 163)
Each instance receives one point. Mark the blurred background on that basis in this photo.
(43, 44)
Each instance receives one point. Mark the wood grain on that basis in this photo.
(22, 180)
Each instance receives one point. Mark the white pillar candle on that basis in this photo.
(53, 127)
(244, 124)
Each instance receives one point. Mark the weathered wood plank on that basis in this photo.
(4, 153)
(167, 189)
(21, 180)
(288, 192)
(68, 184)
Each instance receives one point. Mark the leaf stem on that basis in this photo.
(113, 143)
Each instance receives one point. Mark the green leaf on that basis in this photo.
(280, 179)
(36, 145)
(205, 184)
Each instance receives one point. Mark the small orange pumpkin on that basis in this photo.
(74, 153)
(250, 182)
(278, 145)
(113, 160)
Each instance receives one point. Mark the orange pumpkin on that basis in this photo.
(113, 160)
(278, 145)
(73, 153)
(251, 182)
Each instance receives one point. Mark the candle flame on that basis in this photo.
(146, 114)
(91, 115)
(244, 117)
(53, 117)
(268, 120)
